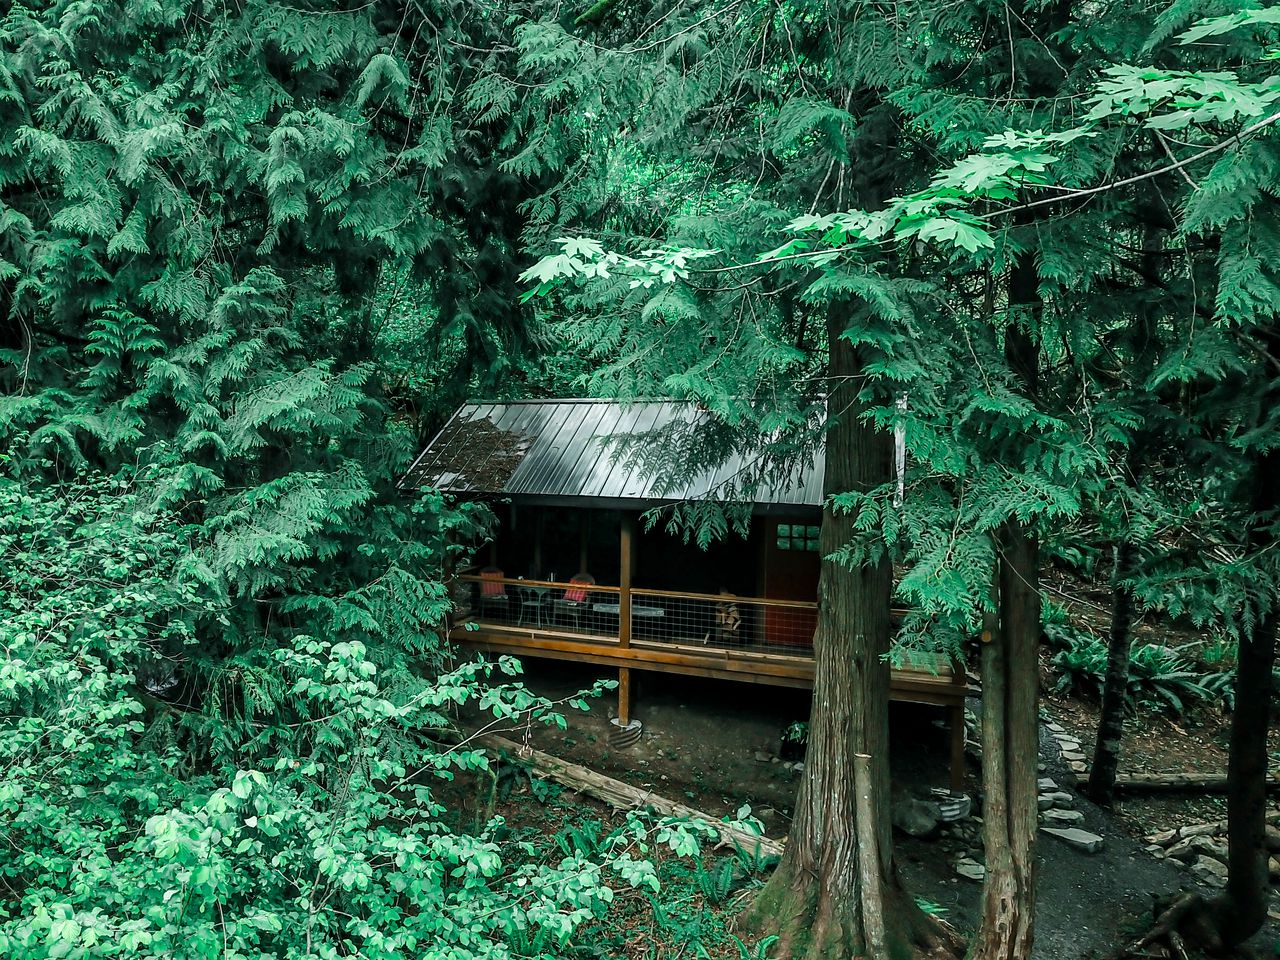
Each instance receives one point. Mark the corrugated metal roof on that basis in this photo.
(609, 453)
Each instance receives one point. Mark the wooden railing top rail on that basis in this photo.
(550, 584)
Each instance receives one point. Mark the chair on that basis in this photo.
(493, 591)
(574, 602)
(534, 602)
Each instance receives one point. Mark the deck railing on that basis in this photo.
(679, 618)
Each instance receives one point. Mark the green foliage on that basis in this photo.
(1160, 677)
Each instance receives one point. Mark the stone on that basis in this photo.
(1199, 830)
(1190, 848)
(762, 757)
(799, 766)
(1273, 839)
(1163, 838)
(1156, 851)
(1070, 755)
(1054, 727)
(971, 869)
(1078, 766)
(1065, 818)
(1209, 871)
(1273, 865)
(1046, 785)
(1082, 840)
(916, 818)
(952, 806)
(1044, 801)
(1062, 800)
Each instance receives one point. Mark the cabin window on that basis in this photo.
(797, 536)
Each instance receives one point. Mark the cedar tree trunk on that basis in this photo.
(1010, 690)
(814, 901)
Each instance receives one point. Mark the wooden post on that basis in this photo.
(537, 570)
(627, 546)
(624, 696)
(957, 747)
(624, 580)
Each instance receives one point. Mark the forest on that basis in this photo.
(1011, 268)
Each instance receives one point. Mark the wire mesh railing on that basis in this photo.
(720, 621)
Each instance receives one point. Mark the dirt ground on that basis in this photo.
(712, 744)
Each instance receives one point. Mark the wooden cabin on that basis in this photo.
(573, 573)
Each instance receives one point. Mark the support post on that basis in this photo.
(538, 524)
(624, 696)
(956, 712)
(627, 546)
(624, 580)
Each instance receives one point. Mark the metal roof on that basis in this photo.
(608, 453)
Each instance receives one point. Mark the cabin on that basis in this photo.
(574, 573)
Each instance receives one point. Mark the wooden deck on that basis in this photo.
(665, 644)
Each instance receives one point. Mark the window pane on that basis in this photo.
(784, 543)
(813, 545)
(784, 530)
(810, 531)
(797, 543)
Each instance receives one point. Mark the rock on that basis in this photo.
(1062, 800)
(1273, 865)
(1068, 743)
(762, 757)
(1064, 818)
(787, 765)
(971, 869)
(1054, 727)
(799, 766)
(1044, 801)
(1070, 755)
(1273, 839)
(1210, 871)
(1163, 838)
(1199, 830)
(1156, 851)
(1078, 766)
(1046, 785)
(916, 818)
(1082, 840)
(1187, 850)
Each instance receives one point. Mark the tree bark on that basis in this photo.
(1242, 909)
(813, 901)
(1011, 687)
(1115, 686)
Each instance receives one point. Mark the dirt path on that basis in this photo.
(713, 745)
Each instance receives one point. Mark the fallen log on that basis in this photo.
(1174, 782)
(623, 796)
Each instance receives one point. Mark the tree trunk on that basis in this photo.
(1010, 690)
(813, 901)
(1115, 686)
(1242, 909)
(1010, 753)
